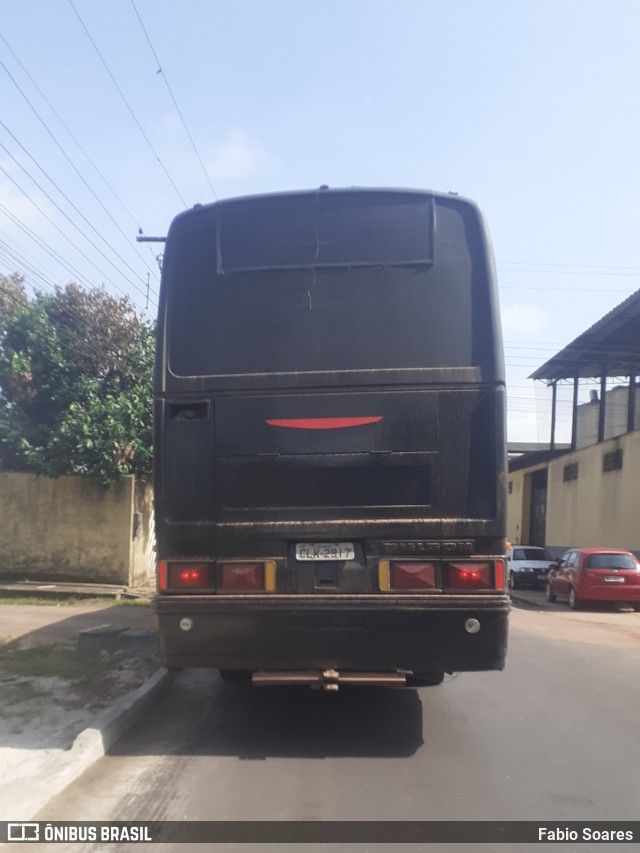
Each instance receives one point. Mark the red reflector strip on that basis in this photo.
(188, 575)
(470, 575)
(499, 574)
(242, 576)
(323, 423)
(162, 575)
(413, 575)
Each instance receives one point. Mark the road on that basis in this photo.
(552, 738)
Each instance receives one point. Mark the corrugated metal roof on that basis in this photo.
(611, 347)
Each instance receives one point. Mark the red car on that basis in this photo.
(595, 574)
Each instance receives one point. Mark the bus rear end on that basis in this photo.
(329, 431)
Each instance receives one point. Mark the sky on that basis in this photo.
(116, 116)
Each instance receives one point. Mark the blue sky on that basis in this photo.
(530, 108)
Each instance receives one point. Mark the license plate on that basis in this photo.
(325, 551)
(613, 580)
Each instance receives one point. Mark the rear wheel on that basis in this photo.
(235, 676)
(549, 593)
(425, 679)
(574, 601)
(636, 605)
(512, 581)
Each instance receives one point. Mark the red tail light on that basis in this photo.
(413, 575)
(241, 576)
(184, 575)
(470, 575)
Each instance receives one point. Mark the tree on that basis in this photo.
(75, 383)
(12, 296)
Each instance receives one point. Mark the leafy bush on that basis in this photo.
(75, 383)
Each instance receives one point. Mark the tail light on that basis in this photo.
(422, 575)
(183, 575)
(234, 576)
(470, 575)
(413, 575)
(239, 577)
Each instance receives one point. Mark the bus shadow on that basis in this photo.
(258, 723)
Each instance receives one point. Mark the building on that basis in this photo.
(587, 494)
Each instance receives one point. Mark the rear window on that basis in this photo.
(365, 282)
(610, 561)
(332, 231)
(531, 554)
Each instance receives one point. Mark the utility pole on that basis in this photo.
(142, 239)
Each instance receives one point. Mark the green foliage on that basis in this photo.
(75, 383)
(12, 297)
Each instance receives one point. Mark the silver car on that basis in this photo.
(528, 565)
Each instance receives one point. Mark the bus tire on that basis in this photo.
(425, 679)
(235, 676)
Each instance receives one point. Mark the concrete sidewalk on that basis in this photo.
(73, 679)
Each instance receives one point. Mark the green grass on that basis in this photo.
(33, 599)
(48, 661)
(65, 601)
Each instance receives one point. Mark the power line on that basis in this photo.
(70, 334)
(78, 144)
(80, 231)
(68, 239)
(581, 290)
(604, 267)
(66, 197)
(551, 346)
(133, 115)
(45, 247)
(61, 149)
(175, 103)
(14, 259)
(630, 351)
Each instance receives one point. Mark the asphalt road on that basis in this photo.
(552, 738)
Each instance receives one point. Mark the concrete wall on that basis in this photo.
(73, 529)
(599, 508)
(617, 405)
(143, 537)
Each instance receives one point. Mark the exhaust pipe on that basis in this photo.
(329, 680)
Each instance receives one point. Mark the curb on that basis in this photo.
(89, 746)
(121, 716)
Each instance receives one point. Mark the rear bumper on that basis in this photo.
(365, 633)
(614, 592)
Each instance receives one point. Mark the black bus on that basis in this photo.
(330, 440)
